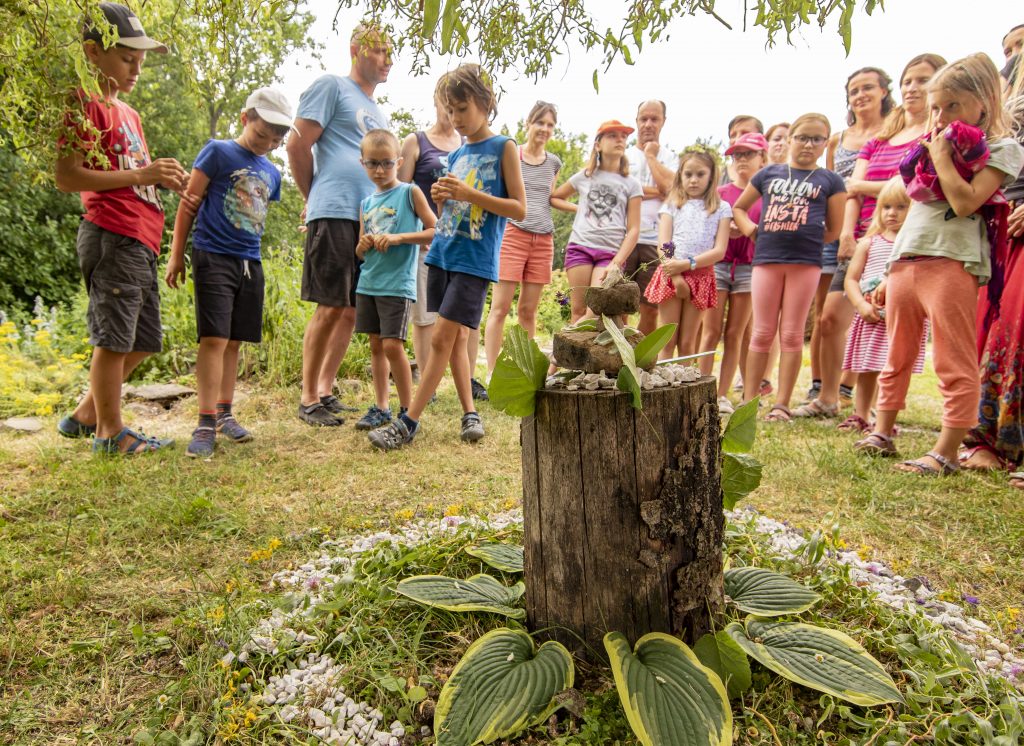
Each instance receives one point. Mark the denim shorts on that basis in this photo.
(733, 278)
(829, 260)
(124, 294)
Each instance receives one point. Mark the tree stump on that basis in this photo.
(622, 513)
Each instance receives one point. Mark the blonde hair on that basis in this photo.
(894, 192)
(468, 82)
(976, 76)
(594, 162)
(811, 116)
(378, 138)
(896, 121)
(677, 193)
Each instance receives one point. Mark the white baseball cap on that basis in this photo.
(271, 105)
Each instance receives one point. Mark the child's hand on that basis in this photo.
(847, 245)
(734, 230)
(190, 202)
(672, 267)
(878, 295)
(364, 244)
(1015, 224)
(868, 312)
(382, 242)
(165, 172)
(175, 276)
(448, 187)
(939, 147)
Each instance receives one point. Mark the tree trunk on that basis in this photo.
(622, 513)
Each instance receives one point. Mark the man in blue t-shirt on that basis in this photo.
(333, 116)
(235, 182)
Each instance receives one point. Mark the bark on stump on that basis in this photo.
(623, 514)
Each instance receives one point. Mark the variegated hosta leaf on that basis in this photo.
(766, 593)
(819, 658)
(503, 685)
(478, 593)
(504, 557)
(670, 698)
(724, 656)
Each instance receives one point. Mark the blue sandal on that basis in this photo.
(69, 427)
(142, 444)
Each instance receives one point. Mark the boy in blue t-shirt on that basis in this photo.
(235, 182)
(393, 222)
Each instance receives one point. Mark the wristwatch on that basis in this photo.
(693, 264)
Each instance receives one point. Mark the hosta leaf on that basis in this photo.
(741, 475)
(741, 428)
(518, 374)
(670, 698)
(629, 376)
(725, 657)
(504, 557)
(766, 593)
(646, 352)
(822, 659)
(478, 593)
(503, 685)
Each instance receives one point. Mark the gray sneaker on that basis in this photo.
(202, 443)
(228, 426)
(316, 414)
(374, 418)
(393, 436)
(472, 427)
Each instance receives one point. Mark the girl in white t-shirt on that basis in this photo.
(607, 222)
(693, 231)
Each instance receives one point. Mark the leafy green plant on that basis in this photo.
(741, 472)
(766, 593)
(723, 655)
(518, 374)
(670, 697)
(501, 686)
(478, 593)
(504, 557)
(823, 659)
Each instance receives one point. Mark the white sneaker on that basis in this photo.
(725, 406)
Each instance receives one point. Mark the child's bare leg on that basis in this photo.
(864, 395)
(105, 376)
(736, 326)
(229, 372)
(579, 279)
(713, 322)
(757, 362)
(379, 370)
(85, 412)
(501, 306)
(669, 311)
(394, 351)
(443, 341)
(690, 327)
(210, 372)
(462, 371)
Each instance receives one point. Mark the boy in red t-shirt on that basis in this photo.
(119, 238)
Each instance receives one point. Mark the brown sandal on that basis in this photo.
(779, 413)
(816, 408)
(877, 444)
(918, 466)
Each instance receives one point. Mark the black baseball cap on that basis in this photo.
(129, 29)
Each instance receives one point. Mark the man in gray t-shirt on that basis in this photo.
(654, 167)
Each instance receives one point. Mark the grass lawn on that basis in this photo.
(109, 568)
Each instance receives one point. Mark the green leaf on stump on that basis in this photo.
(646, 352)
(741, 429)
(503, 685)
(478, 593)
(629, 375)
(504, 557)
(725, 657)
(518, 374)
(766, 593)
(741, 475)
(816, 657)
(670, 698)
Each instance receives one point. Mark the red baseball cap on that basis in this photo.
(614, 125)
(748, 141)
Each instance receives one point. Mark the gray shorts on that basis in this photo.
(839, 277)
(330, 268)
(420, 315)
(733, 278)
(386, 316)
(124, 294)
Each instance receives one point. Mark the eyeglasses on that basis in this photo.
(816, 141)
(742, 155)
(374, 165)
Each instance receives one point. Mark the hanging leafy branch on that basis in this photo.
(527, 35)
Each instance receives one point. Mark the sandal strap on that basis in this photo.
(922, 467)
(948, 466)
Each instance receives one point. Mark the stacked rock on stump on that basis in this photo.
(577, 350)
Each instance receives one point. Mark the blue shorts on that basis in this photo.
(829, 258)
(456, 296)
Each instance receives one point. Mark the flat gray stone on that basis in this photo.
(23, 424)
(350, 386)
(161, 393)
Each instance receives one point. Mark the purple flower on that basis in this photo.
(669, 249)
(1016, 671)
(562, 298)
(972, 600)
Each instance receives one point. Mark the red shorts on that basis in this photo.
(525, 256)
(703, 288)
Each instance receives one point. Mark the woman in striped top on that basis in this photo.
(528, 247)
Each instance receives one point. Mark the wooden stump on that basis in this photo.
(623, 514)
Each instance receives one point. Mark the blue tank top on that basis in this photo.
(392, 273)
(430, 166)
(467, 237)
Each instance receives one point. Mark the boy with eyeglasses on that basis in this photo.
(393, 223)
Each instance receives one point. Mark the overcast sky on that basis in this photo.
(704, 72)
